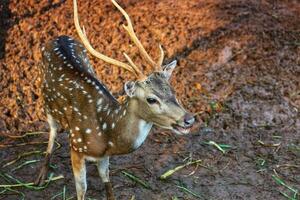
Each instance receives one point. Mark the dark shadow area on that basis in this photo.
(43, 10)
(5, 24)
(239, 18)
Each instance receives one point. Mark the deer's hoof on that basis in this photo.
(109, 191)
(111, 198)
(41, 177)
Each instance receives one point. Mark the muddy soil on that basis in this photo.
(239, 71)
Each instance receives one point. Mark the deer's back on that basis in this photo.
(70, 88)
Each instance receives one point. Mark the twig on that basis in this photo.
(268, 145)
(31, 184)
(279, 181)
(21, 144)
(172, 171)
(288, 166)
(24, 135)
(28, 162)
(15, 191)
(220, 147)
(136, 179)
(190, 192)
(20, 156)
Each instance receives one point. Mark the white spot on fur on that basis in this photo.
(88, 130)
(104, 126)
(110, 144)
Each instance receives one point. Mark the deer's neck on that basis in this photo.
(129, 130)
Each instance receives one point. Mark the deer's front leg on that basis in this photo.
(103, 168)
(79, 171)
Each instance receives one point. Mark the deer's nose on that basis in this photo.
(189, 120)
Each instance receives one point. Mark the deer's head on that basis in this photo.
(156, 101)
(153, 95)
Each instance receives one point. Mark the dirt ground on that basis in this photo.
(239, 71)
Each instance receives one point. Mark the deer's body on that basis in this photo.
(98, 125)
(83, 105)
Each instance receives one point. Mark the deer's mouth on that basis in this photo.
(181, 130)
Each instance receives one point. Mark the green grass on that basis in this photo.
(293, 192)
(136, 179)
(224, 148)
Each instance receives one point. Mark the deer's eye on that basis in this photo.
(151, 100)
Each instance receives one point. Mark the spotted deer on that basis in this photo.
(98, 125)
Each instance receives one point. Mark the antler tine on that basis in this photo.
(139, 72)
(161, 58)
(97, 54)
(130, 31)
(130, 61)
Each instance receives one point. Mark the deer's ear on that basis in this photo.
(129, 88)
(168, 69)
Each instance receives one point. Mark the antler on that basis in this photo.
(129, 28)
(132, 67)
(161, 58)
(130, 31)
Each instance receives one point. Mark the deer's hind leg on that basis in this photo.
(79, 171)
(103, 169)
(45, 166)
